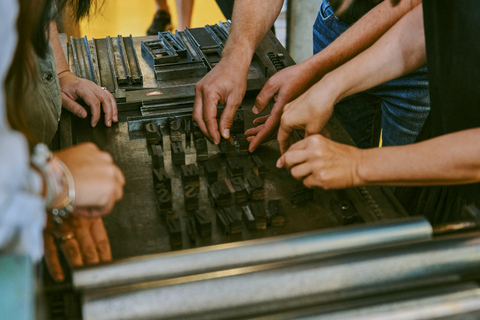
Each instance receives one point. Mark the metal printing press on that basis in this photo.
(213, 232)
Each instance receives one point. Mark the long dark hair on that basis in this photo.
(32, 26)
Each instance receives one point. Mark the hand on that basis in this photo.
(225, 84)
(320, 162)
(82, 241)
(74, 88)
(309, 112)
(284, 86)
(98, 181)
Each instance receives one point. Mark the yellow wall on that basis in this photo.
(127, 17)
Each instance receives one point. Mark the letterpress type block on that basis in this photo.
(174, 231)
(203, 223)
(238, 125)
(191, 197)
(158, 161)
(302, 194)
(242, 144)
(248, 218)
(258, 167)
(276, 213)
(255, 187)
(260, 214)
(189, 174)
(161, 180)
(191, 230)
(235, 167)
(239, 189)
(153, 134)
(211, 173)
(174, 126)
(201, 149)
(178, 154)
(164, 200)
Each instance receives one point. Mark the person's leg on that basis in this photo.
(184, 13)
(161, 20)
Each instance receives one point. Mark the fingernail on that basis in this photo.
(279, 163)
(109, 123)
(226, 133)
(83, 114)
(255, 110)
(58, 277)
(94, 124)
(115, 118)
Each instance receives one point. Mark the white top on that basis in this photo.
(22, 210)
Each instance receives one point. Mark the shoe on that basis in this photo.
(161, 22)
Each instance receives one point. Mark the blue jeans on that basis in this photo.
(404, 102)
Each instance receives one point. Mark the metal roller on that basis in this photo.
(247, 292)
(248, 253)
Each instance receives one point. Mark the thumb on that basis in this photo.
(72, 106)
(264, 97)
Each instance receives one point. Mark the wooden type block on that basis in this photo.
(239, 189)
(255, 187)
(258, 166)
(235, 167)
(158, 161)
(220, 194)
(174, 231)
(238, 125)
(302, 194)
(191, 197)
(227, 147)
(228, 220)
(276, 213)
(190, 174)
(258, 211)
(211, 173)
(174, 126)
(249, 218)
(197, 133)
(164, 200)
(153, 134)
(203, 223)
(242, 143)
(161, 179)
(178, 154)
(191, 230)
(188, 132)
(201, 149)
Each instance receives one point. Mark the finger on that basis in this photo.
(119, 177)
(92, 101)
(106, 105)
(226, 119)
(198, 112)
(101, 239)
(113, 104)
(324, 132)
(250, 138)
(293, 158)
(264, 97)
(71, 251)
(301, 171)
(283, 136)
(210, 118)
(260, 120)
(271, 125)
(72, 106)
(51, 258)
(253, 131)
(87, 246)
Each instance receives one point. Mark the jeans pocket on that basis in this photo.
(326, 11)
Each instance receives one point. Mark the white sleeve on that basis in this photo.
(22, 211)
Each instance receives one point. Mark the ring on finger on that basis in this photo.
(66, 237)
(103, 88)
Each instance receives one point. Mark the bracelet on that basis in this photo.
(63, 71)
(63, 208)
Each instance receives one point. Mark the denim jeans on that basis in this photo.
(404, 101)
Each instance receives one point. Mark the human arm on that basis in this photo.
(445, 160)
(356, 39)
(399, 51)
(73, 87)
(226, 83)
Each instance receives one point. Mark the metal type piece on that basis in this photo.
(158, 52)
(255, 187)
(203, 223)
(242, 144)
(275, 58)
(135, 70)
(245, 293)
(153, 134)
(161, 180)
(190, 174)
(201, 149)
(174, 126)
(197, 133)
(307, 245)
(249, 218)
(260, 214)
(191, 196)
(124, 61)
(240, 191)
(211, 173)
(158, 161)
(235, 167)
(238, 125)
(220, 193)
(275, 213)
(229, 221)
(303, 194)
(226, 147)
(343, 208)
(178, 155)
(119, 94)
(258, 166)
(174, 231)
(164, 200)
